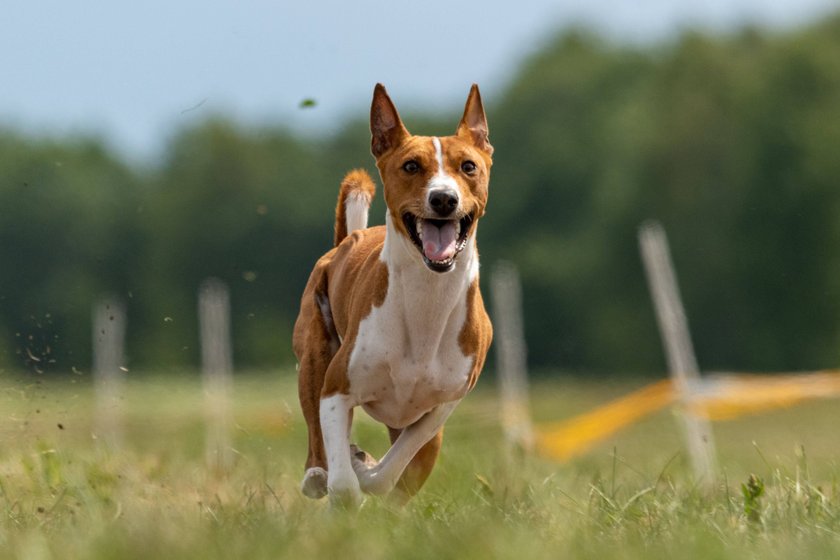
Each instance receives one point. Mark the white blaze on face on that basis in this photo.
(441, 179)
(439, 154)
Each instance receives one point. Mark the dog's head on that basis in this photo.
(435, 187)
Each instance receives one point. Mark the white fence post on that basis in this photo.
(108, 370)
(679, 351)
(509, 335)
(217, 371)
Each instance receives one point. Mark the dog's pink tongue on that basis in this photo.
(439, 242)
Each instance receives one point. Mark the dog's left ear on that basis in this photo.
(473, 125)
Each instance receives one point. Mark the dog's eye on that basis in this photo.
(468, 167)
(411, 166)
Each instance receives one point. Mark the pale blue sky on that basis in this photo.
(133, 72)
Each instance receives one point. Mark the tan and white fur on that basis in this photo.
(392, 319)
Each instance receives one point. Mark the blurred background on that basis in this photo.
(146, 147)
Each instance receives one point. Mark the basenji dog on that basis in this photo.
(392, 318)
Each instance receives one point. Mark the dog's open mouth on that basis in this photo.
(439, 241)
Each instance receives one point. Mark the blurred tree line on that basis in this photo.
(732, 142)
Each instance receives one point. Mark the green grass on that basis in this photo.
(63, 496)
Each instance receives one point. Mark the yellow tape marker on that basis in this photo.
(750, 394)
(730, 397)
(563, 440)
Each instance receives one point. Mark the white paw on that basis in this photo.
(361, 457)
(368, 472)
(314, 483)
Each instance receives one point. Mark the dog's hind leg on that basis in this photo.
(418, 470)
(313, 365)
(315, 344)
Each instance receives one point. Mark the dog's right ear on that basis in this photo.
(386, 128)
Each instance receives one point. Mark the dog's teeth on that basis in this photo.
(419, 229)
(458, 228)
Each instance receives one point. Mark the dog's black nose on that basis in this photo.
(443, 202)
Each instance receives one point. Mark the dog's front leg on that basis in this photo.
(342, 484)
(381, 477)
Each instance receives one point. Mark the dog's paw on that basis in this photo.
(367, 470)
(314, 483)
(361, 457)
(364, 465)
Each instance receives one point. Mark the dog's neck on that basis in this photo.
(430, 302)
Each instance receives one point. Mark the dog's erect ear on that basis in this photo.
(386, 128)
(473, 126)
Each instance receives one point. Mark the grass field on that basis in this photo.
(62, 496)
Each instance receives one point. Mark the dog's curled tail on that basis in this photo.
(354, 198)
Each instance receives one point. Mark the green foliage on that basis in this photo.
(752, 490)
(242, 206)
(68, 232)
(724, 140)
(729, 141)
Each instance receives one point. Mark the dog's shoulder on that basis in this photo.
(353, 265)
(357, 277)
(357, 254)
(477, 333)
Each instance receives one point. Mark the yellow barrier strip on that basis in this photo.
(749, 394)
(563, 440)
(725, 398)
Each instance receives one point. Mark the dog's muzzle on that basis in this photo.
(439, 240)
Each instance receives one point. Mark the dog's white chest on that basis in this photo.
(407, 358)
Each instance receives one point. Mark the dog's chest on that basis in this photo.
(407, 358)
